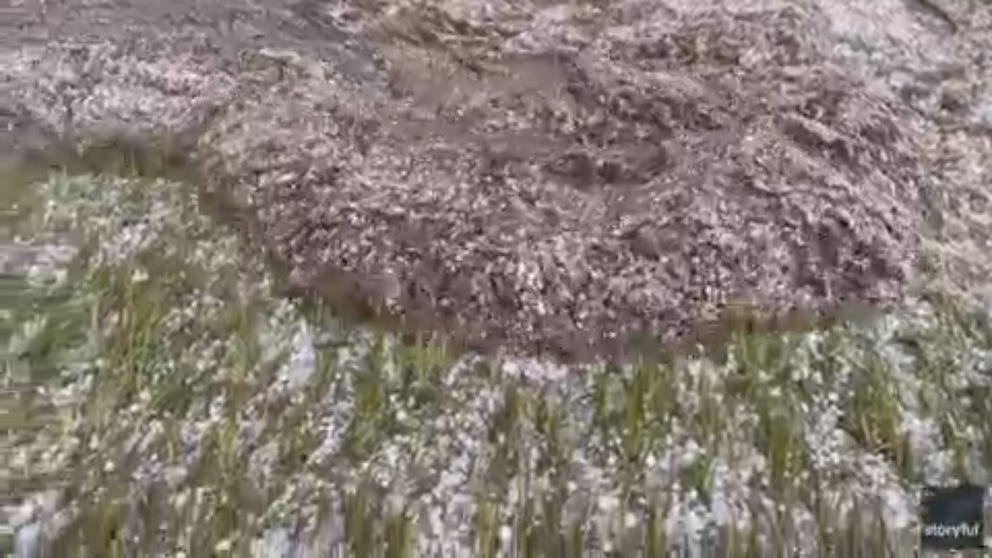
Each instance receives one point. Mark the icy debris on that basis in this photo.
(21, 258)
(302, 360)
(27, 543)
(278, 542)
(539, 372)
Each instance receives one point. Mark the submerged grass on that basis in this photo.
(164, 397)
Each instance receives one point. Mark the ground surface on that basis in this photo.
(500, 173)
(633, 177)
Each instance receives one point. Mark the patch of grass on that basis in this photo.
(371, 414)
(177, 361)
(504, 437)
(873, 415)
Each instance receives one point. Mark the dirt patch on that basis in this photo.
(570, 199)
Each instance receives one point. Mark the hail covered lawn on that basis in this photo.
(159, 395)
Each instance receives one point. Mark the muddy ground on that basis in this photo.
(551, 176)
